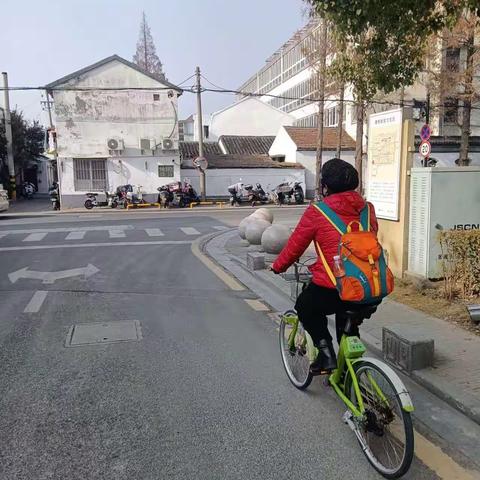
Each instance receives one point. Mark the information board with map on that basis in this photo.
(383, 171)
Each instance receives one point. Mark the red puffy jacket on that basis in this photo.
(314, 226)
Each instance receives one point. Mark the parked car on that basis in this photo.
(4, 204)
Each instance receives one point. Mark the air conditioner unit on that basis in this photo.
(147, 144)
(115, 144)
(167, 144)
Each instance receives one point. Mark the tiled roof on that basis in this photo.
(306, 138)
(190, 149)
(246, 145)
(243, 161)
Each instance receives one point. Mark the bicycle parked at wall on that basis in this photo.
(378, 404)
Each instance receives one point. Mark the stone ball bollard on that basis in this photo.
(264, 213)
(255, 229)
(242, 226)
(274, 238)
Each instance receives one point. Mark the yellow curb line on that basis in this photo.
(439, 462)
(257, 305)
(219, 272)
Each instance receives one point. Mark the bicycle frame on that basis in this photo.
(351, 350)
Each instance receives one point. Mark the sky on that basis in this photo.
(228, 39)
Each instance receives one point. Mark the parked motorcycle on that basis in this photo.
(54, 196)
(111, 200)
(127, 196)
(289, 192)
(28, 189)
(242, 194)
(178, 194)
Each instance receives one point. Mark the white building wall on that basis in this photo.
(218, 180)
(85, 120)
(283, 145)
(249, 116)
(138, 171)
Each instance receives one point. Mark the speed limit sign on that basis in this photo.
(425, 149)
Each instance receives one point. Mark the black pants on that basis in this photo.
(314, 304)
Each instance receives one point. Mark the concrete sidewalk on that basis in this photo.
(455, 376)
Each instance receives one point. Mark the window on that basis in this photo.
(331, 117)
(450, 110)
(156, 97)
(452, 60)
(165, 170)
(353, 114)
(89, 174)
(205, 131)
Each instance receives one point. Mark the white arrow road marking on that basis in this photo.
(154, 232)
(52, 277)
(189, 231)
(221, 227)
(35, 237)
(36, 302)
(75, 235)
(116, 233)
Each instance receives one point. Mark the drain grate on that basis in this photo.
(106, 332)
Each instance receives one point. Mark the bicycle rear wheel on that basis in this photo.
(294, 354)
(386, 432)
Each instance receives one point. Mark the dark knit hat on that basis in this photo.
(339, 176)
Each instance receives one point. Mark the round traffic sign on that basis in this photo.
(425, 149)
(201, 163)
(425, 132)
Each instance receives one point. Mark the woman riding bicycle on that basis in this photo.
(321, 298)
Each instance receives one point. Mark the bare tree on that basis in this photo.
(452, 78)
(341, 97)
(146, 56)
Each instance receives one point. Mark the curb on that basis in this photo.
(467, 405)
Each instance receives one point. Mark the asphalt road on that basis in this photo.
(200, 392)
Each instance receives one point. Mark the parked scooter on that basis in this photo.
(91, 201)
(127, 196)
(28, 189)
(178, 194)
(289, 192)
(54, 196)
(242, 194)
(258, 195)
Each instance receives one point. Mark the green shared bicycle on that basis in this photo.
(378, 404)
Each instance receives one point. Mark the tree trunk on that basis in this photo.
(359, 144)
(145, 41)
(467, 103)
(338, 153)
(321, 109)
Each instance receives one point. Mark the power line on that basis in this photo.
(306, 99)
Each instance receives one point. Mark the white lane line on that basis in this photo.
(116, 233)
(35, 237)
(75, 235)
(36, 302)
(154, 232)
(105, 244)
(189, 231)
(69, 229)
(221, 227)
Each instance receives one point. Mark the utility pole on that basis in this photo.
(55, 154)
(200, 133)
(8, 135)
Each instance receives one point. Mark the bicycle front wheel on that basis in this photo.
(294, 350)
(386, 431)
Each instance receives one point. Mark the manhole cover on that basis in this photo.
(106, 332)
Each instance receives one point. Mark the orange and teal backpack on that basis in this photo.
(366, 277)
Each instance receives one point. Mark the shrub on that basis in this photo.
(461, 262)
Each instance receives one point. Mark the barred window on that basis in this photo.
(450, 110)
(165, 171)
(331, 117)
(89, 174)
